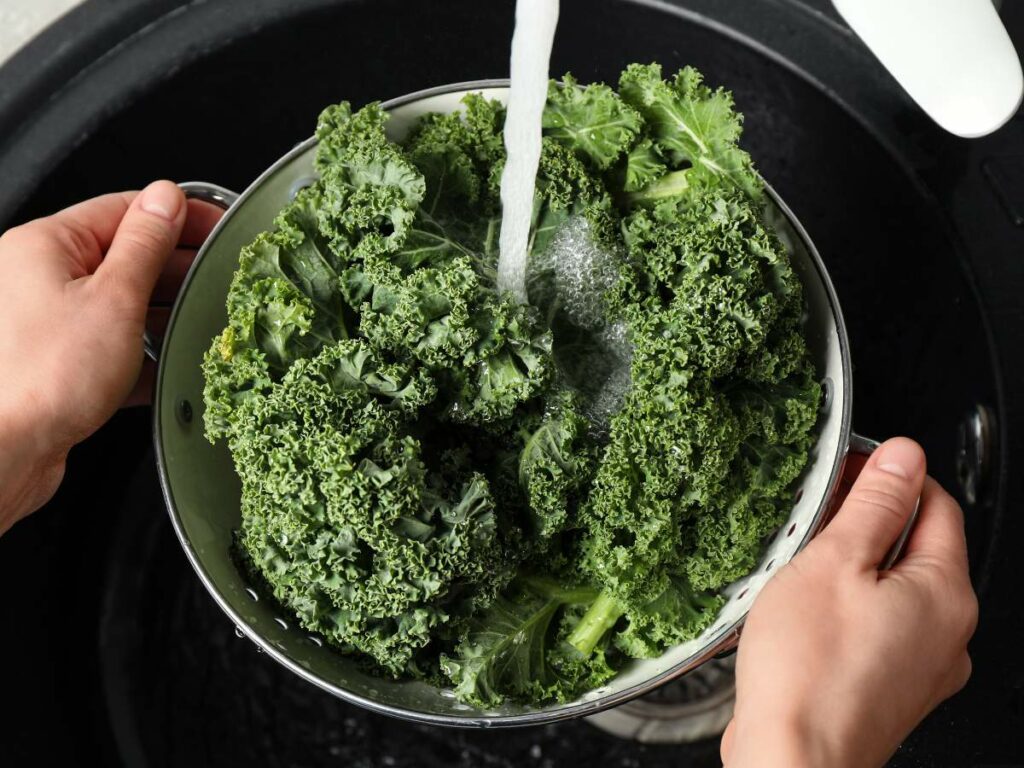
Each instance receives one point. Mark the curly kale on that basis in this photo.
(432, 475)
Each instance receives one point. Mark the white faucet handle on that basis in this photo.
(954, 58)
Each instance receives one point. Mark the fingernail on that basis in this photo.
(163, 199)
(899, 457)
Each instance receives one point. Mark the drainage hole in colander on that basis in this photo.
(300, 184)
(792, 528)
(315, 641)
(826, 393)
(281, 622)
(799, 495)
(769, 566)
(184, 411)
(741, 594)
(252, 593)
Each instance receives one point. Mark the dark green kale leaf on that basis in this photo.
(676, 615)
(644, 166)
(694, 126)
(592, 121)
(339, 516)
(556, 465)
(512, 649)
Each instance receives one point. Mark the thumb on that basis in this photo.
(142, 244)
(880, 502)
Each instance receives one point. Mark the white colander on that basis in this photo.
(202, 490)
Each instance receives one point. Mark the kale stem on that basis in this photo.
(670, 185)
(599, 618)
(553, 590)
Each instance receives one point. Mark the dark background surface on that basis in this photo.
(112, 651)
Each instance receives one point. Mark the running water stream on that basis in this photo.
(531, 56)
(598, 356)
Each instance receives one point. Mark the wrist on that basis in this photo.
(770, 741)
(31, 460)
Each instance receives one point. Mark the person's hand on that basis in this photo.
(838, 661)
(75, 289)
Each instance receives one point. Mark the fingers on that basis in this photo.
(880, 502)
(91, 225)
(142, 244)
(83, 234)
(939, 531)
(200, 220)
(79, 235)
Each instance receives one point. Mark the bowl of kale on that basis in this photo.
(444, 504)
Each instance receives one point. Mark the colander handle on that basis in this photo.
(208, 193)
